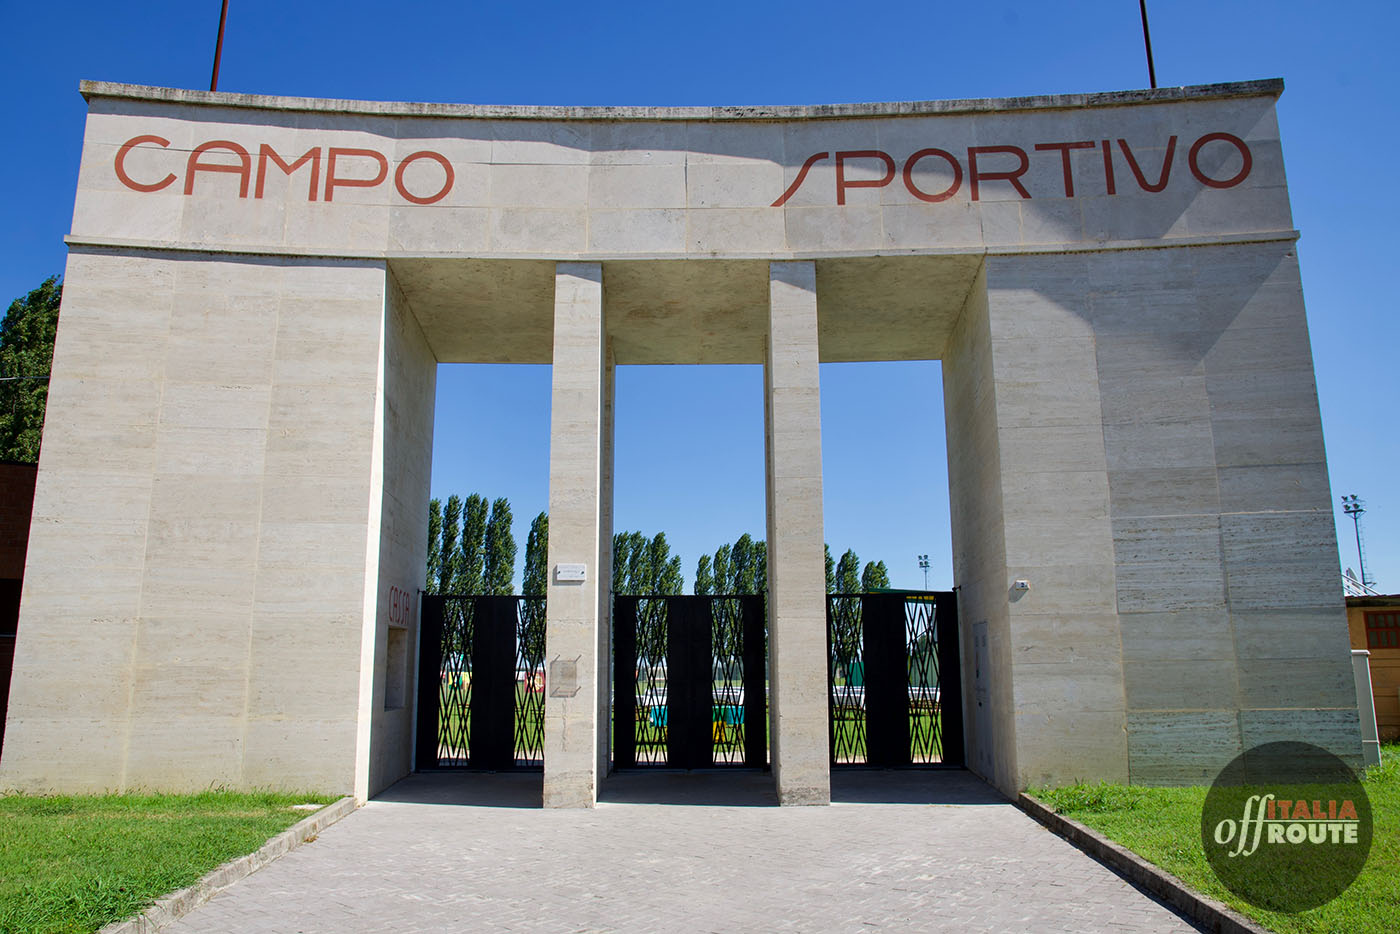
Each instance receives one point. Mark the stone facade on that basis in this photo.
(259, 289)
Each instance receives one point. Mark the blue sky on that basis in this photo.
(690, 455)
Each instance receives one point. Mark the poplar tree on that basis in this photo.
(499, 551)
(830, 569)
(26, 354)
(848, 573)
(664, 570)
(448, 555)
(724, 573)
(742, 564)
(534, 583)
(875, 577)
(535, 577)
(760, 584)
(470, 567)
(704, 580)
(619, 563)
(638, 569)
(434, 545)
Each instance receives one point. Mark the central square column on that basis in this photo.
(580, 540)
(797, 652)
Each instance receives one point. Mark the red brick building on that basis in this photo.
(16, 507)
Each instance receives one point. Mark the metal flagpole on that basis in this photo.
(1146, 41)
(219, 47)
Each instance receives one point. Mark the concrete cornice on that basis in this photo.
(1269, 87)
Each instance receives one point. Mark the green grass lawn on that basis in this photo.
(923, 729)
(73, 864)
(1163, 825)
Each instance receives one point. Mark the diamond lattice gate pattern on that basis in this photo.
(690, 682)
(896, 691)
(481, 683)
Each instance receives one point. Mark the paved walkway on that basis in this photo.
(684, 853)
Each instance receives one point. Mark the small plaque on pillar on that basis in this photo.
(563, 677)
(570, 573)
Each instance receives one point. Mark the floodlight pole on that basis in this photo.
(1352, 507)
(219, 47)
(1147, 42)
(923, 563)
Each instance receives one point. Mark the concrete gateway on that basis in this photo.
(259, 290)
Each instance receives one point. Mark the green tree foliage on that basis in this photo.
(26, 353)
(848, 573)
(466, 553)
(535, 578)
(643, 566)
(470, 568)
(534, 582)
(638, 563)
(665, 567)
(740, 568)
(724, 570)
(619, 563)
(830, 569)
(434, 545)
(875, 577)
(449, 555)
(499, 556)
(704, 580)
(760, 577)
(745, 564)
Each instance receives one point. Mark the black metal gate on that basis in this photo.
(690, 684)
(896, 688)
(481, 683)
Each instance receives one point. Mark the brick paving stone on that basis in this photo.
(438, 853)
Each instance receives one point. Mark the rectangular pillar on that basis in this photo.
(579, 534)
(797, 660)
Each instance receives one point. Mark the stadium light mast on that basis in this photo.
(923, 563)
(1353, 507)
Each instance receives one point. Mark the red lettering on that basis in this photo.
(446, 185)
(1064, 149)
(120, 164)
(1137, 170)
(1233, 140)
(242, 170)
(975, 176)
(801, 177)
(1347, 811)
(842, 184)
(266, 152)
(1300, 811)
(1110, 183)
(333, 182)
(923, 195)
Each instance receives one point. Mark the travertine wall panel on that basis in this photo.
(214, 618)
(797, 641)
(976, 507)
(1027, 174)
(576, 637)
(1069, 701)
(406, 405)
